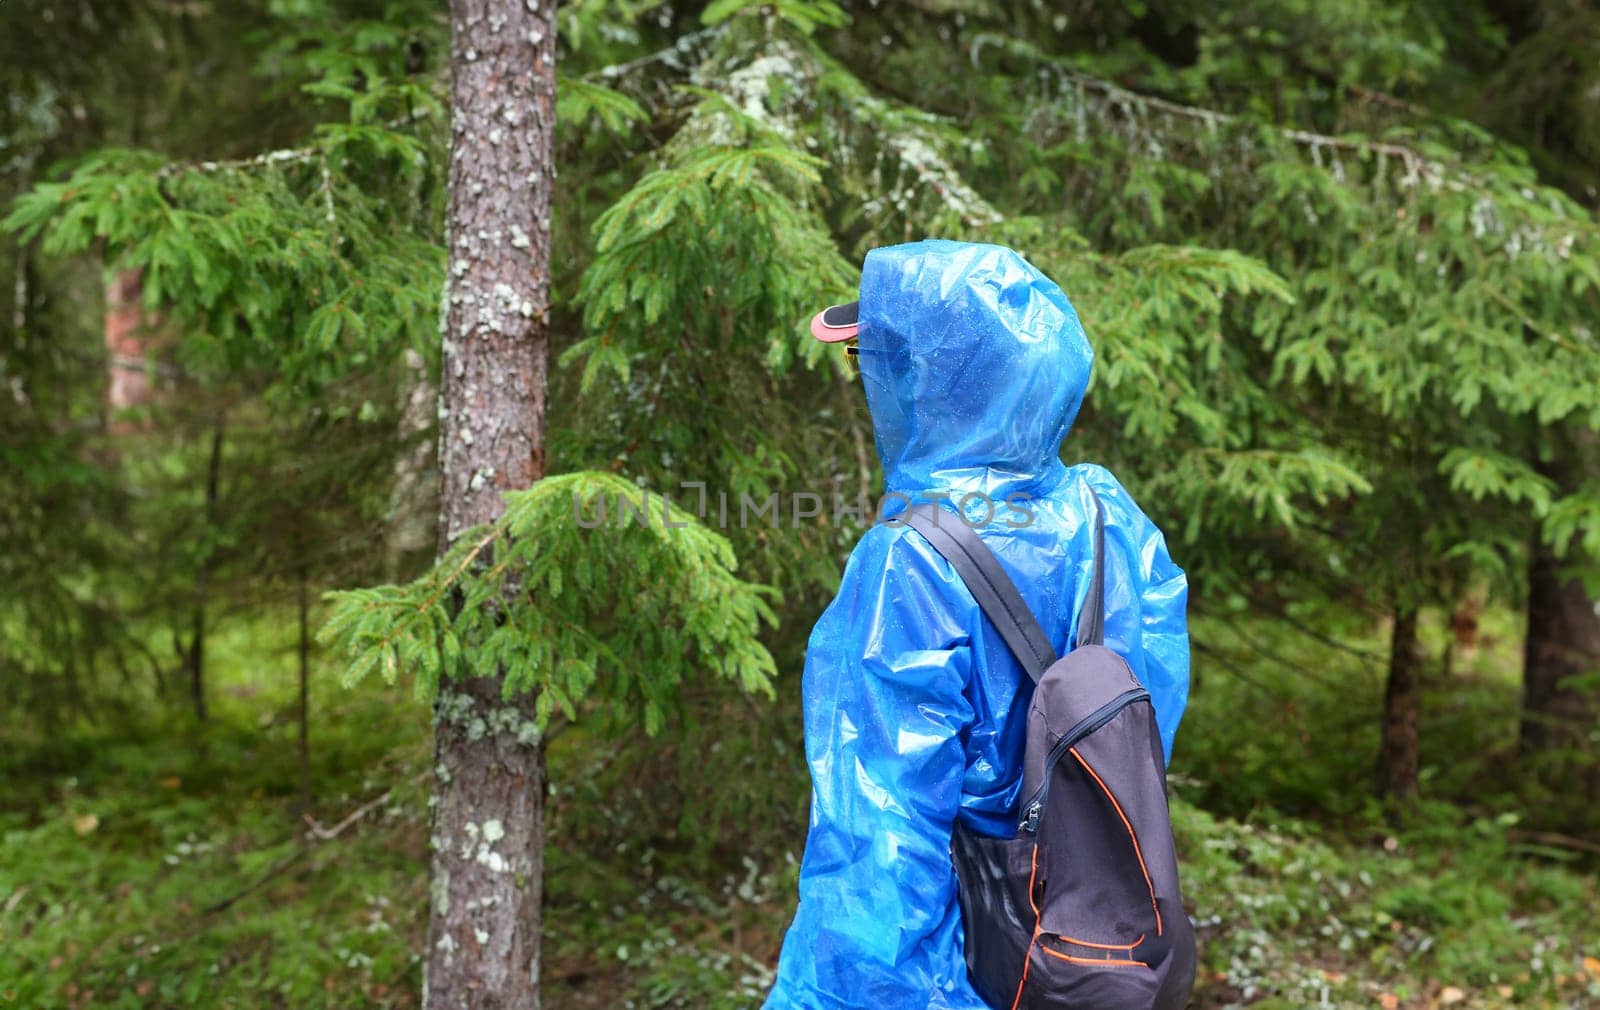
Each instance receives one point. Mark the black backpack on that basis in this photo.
(1080, 909)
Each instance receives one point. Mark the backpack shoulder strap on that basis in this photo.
(997, 595)
(989, 584)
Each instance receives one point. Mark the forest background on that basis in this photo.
(1341, 266)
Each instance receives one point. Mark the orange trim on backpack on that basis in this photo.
(1094, 960)
(1027, 955)
(1099, 946)
(1033, 876)
(1137, 851)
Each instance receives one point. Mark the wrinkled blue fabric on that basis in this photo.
(974, 365)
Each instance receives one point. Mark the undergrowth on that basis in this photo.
(145, 863)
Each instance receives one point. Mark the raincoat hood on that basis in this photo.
(974, 365)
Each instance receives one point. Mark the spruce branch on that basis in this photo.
(620, 612)
(316, 150)
(1418, 165)
(677, 56)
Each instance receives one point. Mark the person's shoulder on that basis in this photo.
(1113, 495)
(897, 540)
(893, 555)
(1124, 513)
(1097, 478)
(893, 562)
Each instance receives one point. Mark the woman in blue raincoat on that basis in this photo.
(974, 365)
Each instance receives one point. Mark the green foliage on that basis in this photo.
(61, 643)
(681, 244)
(578, 100)
(279, 297)
(1435, 289)
(1484, 473)
(805, 15)
(1573, 524)
(621, 614)
(1343, 341)
(698, 277)
(273, 267)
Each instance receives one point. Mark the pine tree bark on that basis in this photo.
(487, 839)
(1399, 754)
(1559, 719)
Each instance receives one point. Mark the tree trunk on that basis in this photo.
(1560, 714)
(488, 845)
(196, 656)
(1563, 642)
(304, 601)
(413, 515)
(1399, 751)
(132, 340)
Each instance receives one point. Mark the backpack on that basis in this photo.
(1080, 909)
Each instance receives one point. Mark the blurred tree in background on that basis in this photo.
(1340, 264)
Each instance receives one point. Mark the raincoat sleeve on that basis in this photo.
(1146, 605)
(886, 716)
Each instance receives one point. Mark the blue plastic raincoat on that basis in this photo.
(974, 365)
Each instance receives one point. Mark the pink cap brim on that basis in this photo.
(831, 334)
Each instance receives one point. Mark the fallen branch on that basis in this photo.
(316, 832)
(1554, 840)
(11, 902)
(277, 868)
(321, 833)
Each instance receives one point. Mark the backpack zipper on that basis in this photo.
(1093, 721)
